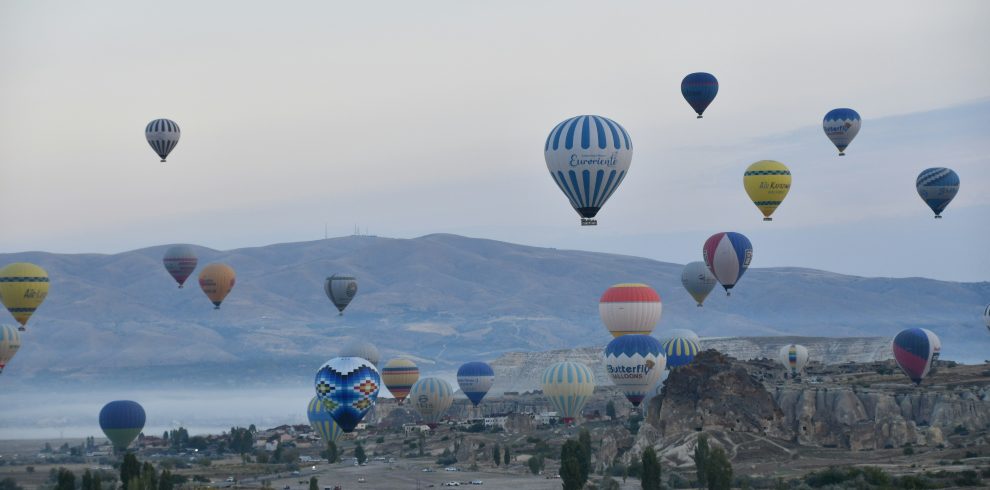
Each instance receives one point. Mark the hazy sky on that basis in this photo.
(417, 117)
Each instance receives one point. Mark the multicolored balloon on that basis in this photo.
(588, 157)
(794, 357)
(699, 90)
(362, 349)
(698, 281)
(399, 375)
(634, 362)
(916, 350)
(475, 379)
(10, 341)
(767, 183)
(348, 388)
(841, 126)
(162, 135)
(630, 308)
(322, 422)
(180, 262)
(680, 351)
(341, 290)
(122, 421)
(937, 187)
(216, 280)
(431, 397)
(727, 255)
(568, 385)
(23, 287)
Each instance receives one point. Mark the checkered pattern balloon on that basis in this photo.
(347, 387)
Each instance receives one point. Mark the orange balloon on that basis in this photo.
(217, 280)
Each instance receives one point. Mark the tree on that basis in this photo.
(87, 480)
(165, 480)
(330, 453)
(584, 440)
(570, 466)
(165, 436)
(149, 479)
(10, 484)
(608, 484)
(505, 456)
(650, 474)
(535, 464)
(314, 483)
(97, 482)
(359, 453)
(422, 442)
(496, 455)
(701, 454)
(129, 470)
(66, 480)
(610, 409)
(718, 470)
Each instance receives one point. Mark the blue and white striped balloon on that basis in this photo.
(588, 157)
(937, 187)
(634, 362)
(568, 385)
(841, 126)
(162, 135)
(431, 397)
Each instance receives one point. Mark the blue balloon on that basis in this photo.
(916, 350)
(348, 388)
(841, 126)
(635, 363)
(122, 421)
(322, 422)
(475, 379)
(680, 351)
(937, 186)
(699, 90)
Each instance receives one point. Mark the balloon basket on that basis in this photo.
(768, 219)
(163, 160)
(842, 154)
(938, 216)
(699, 305)
(589, 222)
(21, 329)
(699, 116)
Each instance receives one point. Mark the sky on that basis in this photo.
(411, 118)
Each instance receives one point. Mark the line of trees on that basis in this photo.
(712, 466)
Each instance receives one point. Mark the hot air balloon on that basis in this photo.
(698, 281)
(10, 341)
(727, 255)
(122, 421)
(362, 349)
(916, 350)
(180, 261)
(634, 362)
(680, 351)
(162, 135)
(986, 316)
(841, 126)
(399, 375)
(322, 422)
(348, 388)
(588, 156)
(217, 280)
(681, 333)
(699, 90)
(630, 309)
(937, 186)
(767, 183)
(568, 385)
(475, 379)
(341, 290)
(23, 287)
(431, 397)
(794, 357)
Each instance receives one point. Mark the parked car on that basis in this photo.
(451, 468)
(477, 482)
(361, 480)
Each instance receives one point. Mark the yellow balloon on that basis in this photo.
(23, 287)
(767, 183)
(217, 280)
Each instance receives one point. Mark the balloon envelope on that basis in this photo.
(10, 341)
(362, 349)
(122, 421)
(630, 309)
(588, 157)
(794, 357)
(915, 350)
(162, 135)
(475, 379)
(322, 422)
(634, 362)
(727, 255)
(23, 287)
(180, 262)
(767, 183)
(841, 126)
(699, 90)
(568, 385)
(348, 388)
(698, 281)
(341, 290)
(399, 375)
(680, 351)
(217, 280)
(986, 316)
(937, 187)
(431, 397)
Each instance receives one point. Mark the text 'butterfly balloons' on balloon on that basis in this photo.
(841, 126)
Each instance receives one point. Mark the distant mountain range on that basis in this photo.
(439, 299)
